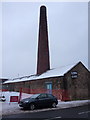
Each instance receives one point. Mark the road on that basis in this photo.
(75, 112)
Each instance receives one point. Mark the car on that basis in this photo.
(39, 100)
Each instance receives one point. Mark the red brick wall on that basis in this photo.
(43, 63)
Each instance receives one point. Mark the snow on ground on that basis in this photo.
(68, 104)
(7, 95)
(7, 108)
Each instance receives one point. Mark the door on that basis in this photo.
(42, 100)
(49, 87)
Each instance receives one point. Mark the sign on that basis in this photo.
(74, 74)
(13, 98)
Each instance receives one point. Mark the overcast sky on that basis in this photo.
(67, 31)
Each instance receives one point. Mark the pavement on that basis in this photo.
(13, 108)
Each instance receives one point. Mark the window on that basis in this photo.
(50, 96)
(43, 96)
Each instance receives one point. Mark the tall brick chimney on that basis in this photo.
(43, 63)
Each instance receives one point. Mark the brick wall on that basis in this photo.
(78, 87)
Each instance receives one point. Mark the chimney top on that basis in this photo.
(43, 7)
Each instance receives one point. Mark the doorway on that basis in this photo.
(49, 87)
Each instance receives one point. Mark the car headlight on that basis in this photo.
(26, 101)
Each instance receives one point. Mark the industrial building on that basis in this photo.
(70, 82)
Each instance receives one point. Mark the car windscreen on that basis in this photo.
(35, 96)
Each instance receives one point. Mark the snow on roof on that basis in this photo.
(50, 73)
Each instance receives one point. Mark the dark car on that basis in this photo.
(39, 100)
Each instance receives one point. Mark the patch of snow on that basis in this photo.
(7, 95)
(69, 104)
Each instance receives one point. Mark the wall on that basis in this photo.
(39, 86)
(1, 82)
(78, 87)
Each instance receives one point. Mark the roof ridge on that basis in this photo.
(65, 65)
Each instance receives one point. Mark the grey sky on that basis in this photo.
(67, 29)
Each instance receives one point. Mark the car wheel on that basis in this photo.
(32, 106)
(54, 105)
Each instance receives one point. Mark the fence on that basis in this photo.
(59, 93)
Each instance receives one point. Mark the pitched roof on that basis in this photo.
(50, 73)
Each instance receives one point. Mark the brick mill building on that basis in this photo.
(2, 80)
(67, 82)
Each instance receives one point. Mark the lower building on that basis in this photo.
(2, 80)
(70, 82)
